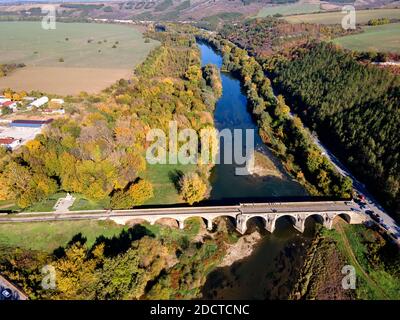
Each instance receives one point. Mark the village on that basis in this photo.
(23, 117)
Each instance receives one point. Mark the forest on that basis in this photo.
(353, 107)
(142, 262)
(264, 36)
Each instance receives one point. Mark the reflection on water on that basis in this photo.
(271, 270)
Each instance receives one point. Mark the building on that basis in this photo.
(10, 143)
(59, 101)
(10, 104)
(4, 99)
(30, 123)
(29, 98)
(39, 102)
(54, 111)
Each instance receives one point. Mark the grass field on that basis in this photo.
(48, 236)
(373, 281)
(362, 16)
(385, 38)
(162, 177)
(72, 58)
(289, 9)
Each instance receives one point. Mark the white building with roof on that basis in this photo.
(39, 102)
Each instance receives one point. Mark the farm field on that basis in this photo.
(362, 16)
(385, 38)
(289, 9)
(72, 58)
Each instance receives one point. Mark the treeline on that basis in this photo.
(264, 36)
(286, 135)
(6, 69)
(353, 107)
(99, 150)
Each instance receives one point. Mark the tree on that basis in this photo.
(141, 191)
(135, 195)
(126, 276)
(192, 188)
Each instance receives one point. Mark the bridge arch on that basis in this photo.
(317, 217)
(232, 220)
(345, 216)
(204, 220)
(256, 218)
(296, 221)
(168, 221)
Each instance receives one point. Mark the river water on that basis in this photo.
(272, 268)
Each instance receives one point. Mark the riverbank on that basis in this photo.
(321, 276)
(243, 248)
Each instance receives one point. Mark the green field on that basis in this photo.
(77, 43)
(48, 236)
(373, 281)
(384, 38)
(72, 58)
(162, 177)
(289, 9)
(362, 16)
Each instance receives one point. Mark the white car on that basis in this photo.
(6, 293)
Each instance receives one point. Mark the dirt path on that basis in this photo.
(353, 258)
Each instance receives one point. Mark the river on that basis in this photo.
(271, 270)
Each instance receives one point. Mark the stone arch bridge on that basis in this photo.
(324, 211)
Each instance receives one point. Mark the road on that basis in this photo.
(370, 203)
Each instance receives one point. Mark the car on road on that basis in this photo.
(6, 294)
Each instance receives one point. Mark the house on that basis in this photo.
(54, 111)
(10, 104)
(59, 101)
(30, 123)
(4, 99)
(28, 98)
(39, 102)
(10, 143)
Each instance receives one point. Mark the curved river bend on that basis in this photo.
(272, 268)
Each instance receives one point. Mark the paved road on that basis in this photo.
(385, 221)
(10, 292)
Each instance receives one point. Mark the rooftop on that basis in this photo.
(7, 140)
(32, 121)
